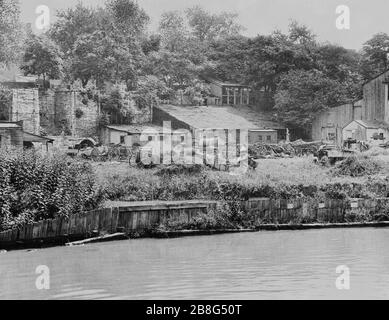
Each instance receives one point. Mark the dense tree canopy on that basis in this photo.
(102, 45)
(42, 58)
(10, 32)
(301, 95)
(299, 74)
(375, 55)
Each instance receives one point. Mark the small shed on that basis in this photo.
(369, 131)
(228, 93)
(130, 135)
(11, 134)
(29, 141)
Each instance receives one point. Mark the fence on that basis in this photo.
(129, 218)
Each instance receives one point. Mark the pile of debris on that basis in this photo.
(294, 149)
(357, 166)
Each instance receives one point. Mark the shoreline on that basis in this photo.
(172, 219)
(271, 227)
(174, 234)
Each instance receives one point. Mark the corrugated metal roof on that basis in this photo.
(214, 117)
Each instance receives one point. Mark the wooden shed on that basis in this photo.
(228, 93)
(375, 132)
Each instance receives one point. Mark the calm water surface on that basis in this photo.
(263, 265)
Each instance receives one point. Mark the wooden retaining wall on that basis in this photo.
(267, 211)
(137, 217)
(130, 218)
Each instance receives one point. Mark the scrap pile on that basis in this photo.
(287, 150)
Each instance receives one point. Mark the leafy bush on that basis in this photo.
(224, 216)
(79, 113)
(357, 166)
(35, 187)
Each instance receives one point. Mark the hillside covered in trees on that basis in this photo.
(113, 43)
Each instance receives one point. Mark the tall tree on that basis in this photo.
(129, 18)
(208, 27)
(42, 58)
(176, 71)
(302, 94)
(230, 58)
(103, 44)
(173, 30)
(10, 31)
(375, 55)
(75, 22)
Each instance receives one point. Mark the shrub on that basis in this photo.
(79, 113)
(357, 166)
(35, 187)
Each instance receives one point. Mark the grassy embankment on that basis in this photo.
(35, 187)
(298, 178)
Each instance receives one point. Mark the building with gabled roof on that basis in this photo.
(366, 119)
(260, 125)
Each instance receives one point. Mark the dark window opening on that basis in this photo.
(268, 138)
(122, 139)
(150, 138)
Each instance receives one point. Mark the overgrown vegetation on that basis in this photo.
(357, 166)
(174, 183)
(35, 187)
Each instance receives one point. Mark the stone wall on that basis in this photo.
(60, 110)
(47, 110)
(68, 111)
(25, 107)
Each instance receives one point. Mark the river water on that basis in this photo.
(263, 265)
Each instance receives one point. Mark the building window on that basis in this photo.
(268, 138)
(160, 138)
(182, 138)
(122, 140)
(260, 138)
(150, 138)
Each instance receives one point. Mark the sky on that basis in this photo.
(263, 16)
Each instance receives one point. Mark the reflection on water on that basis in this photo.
(263, 265)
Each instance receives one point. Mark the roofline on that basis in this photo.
(116, 129)
(35, 135)
(157, 128)
(365, 125)
(375, 77)
(223, 83)
(12, 122)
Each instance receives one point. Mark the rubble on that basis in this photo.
(286, 150)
